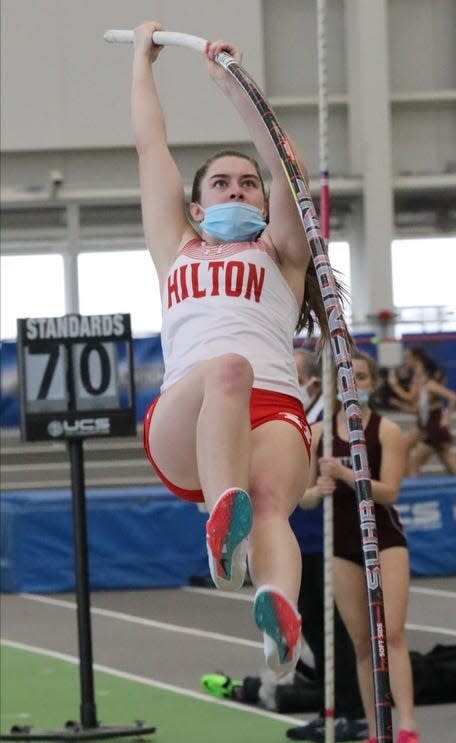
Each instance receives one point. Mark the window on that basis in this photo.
(121, 281)
(424, 271)
(31, 286)
(339, 255)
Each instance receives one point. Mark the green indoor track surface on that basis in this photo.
(43, 692)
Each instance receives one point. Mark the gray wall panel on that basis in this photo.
(66, 88)
(424, 141)
(31, 75)
(422, 48)
(291, 46)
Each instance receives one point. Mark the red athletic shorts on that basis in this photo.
(264, 406)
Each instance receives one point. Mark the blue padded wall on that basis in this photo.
(146, 538)
(138, 538)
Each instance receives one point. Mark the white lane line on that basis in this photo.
(145, 622)
(158, 684)
(433, 630)
(249, 596)
(433, 592)
(195, 632)
(219, 594)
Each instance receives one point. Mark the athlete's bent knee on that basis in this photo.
(395, 636)
(230, 374)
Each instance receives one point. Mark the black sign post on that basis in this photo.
(76, 382)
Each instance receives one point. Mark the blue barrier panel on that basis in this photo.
(138, 538)
(9, 400)
(146, 538)
(427, 507)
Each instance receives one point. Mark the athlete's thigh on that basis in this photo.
(350, 597)
(279, 466)
(172, 433)
(394, 563)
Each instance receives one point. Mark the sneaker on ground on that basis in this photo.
(280, 623)
(345, 729)
(219, 685)
(226, 531)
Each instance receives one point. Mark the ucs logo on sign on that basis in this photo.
(79, 427)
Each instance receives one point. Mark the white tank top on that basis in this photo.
(230, 298)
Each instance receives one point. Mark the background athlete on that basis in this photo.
(333, 476)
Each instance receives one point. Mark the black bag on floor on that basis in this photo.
(434, 675)
(434, 681)
(299, 694)
(302, 695)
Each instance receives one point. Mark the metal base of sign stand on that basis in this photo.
(75, 731)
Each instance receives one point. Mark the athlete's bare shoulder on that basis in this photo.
(390, 431)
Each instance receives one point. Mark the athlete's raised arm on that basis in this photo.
(162, 191)
(285, 227)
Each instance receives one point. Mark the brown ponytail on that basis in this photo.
(313, 309)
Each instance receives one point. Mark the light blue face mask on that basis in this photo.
(363, 397)
(233, 221)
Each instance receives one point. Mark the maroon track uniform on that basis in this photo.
(347, 539)
(433, 432)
